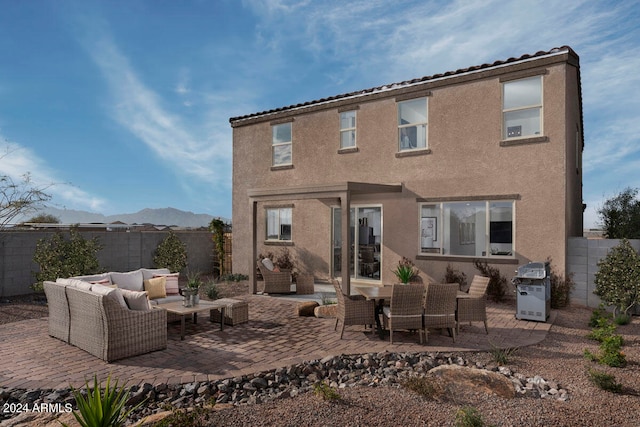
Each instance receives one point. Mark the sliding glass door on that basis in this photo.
(365, 234)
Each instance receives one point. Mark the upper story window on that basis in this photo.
(412, 124)
(279, 224)
(348, 129)
(522, 107)
(474, 228)
(281, 144)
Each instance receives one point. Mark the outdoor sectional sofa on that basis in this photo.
(110, 315)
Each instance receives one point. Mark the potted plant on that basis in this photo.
(405, 270)
(191, 292)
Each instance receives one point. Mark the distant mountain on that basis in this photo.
(164, 216)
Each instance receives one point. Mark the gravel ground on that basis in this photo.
(558, 358)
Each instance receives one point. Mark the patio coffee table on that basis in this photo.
(182, 311)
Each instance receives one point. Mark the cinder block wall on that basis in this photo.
(122, 251)
(583, 257)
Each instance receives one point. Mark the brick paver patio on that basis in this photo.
(274, 337)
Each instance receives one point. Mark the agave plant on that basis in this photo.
(405, 270)
(102, 410)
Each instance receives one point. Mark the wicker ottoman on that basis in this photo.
(304, 284)
(237, 311)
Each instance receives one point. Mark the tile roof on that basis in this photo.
(406, 83)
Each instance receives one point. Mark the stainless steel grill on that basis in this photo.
(533, 291)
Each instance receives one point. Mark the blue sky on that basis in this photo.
(125, 105)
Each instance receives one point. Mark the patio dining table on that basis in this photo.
(378, 294)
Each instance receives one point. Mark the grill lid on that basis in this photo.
(532, 270)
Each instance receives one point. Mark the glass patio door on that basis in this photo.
(365, 233)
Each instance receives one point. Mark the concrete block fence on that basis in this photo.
(122, 251)
(582, 260)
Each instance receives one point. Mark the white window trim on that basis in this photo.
(349, 129)
(266, 219)
(440, 231)
(408, 125)
(523, 108)
(280, 144)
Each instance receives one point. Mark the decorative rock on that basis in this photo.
(456, 382)
(306, 308)
(328, 311)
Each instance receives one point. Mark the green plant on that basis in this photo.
(325, 391)
(171, 253)
(106, 409)
(218, 228)
(237, 277)
(604, 381)
(326, 300)
(454, 276)
(193, 417)
(212, 290)
(561, 287)
(618, 278)
(611, 354)
(468, 417)
(602, 331)
(59, 257)
(502, 356)
(497, 282)
(598, 316)
(194, 281)
(420, 385)
(405, 270)
(622, 319)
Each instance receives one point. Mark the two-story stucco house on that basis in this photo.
(478, 163)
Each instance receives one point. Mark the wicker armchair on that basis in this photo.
(472, 306)
(405, 310)
(353, 310)
(275, 282)
(440, 307)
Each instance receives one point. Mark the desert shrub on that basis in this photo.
(502, 356)
(598, 316)
(406, 270)
(193, 417)
(171, 253)
(604, 381)
(60, 257)
(421, 386)
(618, 278)
(469, 417)
(212, 290)
(497, 282)
(561, 287)
(237, 277)
(610, 352)
(603, 330)
(325, 391)
(454, 276)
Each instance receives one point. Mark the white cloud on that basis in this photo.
(185, 148)
(17, 160)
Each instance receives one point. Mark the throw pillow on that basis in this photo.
(136, 300)
(103, 282)
(155, 287)
(268, 263)
(131, 281)
(171, 285)
(109, 292)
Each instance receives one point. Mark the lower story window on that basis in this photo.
(279, 224)
(474, 228)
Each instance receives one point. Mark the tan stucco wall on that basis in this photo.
(466, 160)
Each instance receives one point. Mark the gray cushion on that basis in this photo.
(131, 281)
(136, 300)
(148, 273)
(108, 292)
(168, 298)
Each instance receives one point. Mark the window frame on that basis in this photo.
(439, 234)
(402, 126)
(348, 129)
(279, 210)
(275, 143)
(522, 108)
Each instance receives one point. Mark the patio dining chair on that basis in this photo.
(405, 309)
(440, 307)
(353, 310)
(472, 307)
